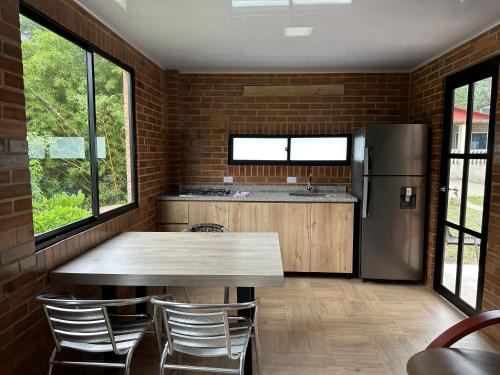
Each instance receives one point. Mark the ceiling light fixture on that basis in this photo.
(297, 31)
(121, 3)
(258, 3)
(320, 2)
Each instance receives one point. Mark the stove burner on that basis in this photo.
(207, 192)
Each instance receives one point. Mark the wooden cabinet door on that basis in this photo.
(332, 237)
(292, 221)
(208, 212)
(249, 217)
(172, 212)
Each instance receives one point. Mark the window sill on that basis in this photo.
(51, 238)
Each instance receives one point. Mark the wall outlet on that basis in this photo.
(228, 179)
(291, 180)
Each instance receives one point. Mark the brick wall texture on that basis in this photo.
(200, 110)
(205, 109)
(24, 335)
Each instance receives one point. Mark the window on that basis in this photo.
(290, 150)
(79, 130)
(319, 149)
(260, 149)
(479, 141)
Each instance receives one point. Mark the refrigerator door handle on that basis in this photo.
(366, 195)
(366, 160)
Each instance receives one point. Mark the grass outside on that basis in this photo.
(474, 219)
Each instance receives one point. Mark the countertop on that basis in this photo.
(262, 194)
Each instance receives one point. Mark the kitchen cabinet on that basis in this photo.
(208, 212)
(314, 237)
(331, 237)
(292, 221)
(249, 217)
(170, 212)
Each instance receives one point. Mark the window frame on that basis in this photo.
(345, 162)
(49, 238)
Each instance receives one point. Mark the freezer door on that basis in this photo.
(392, 228)
(396, 150)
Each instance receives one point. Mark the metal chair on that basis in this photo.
(207, 228)
(205, 330)
(86, 326)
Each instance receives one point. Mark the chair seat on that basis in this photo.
(127, 329)
(448, 361)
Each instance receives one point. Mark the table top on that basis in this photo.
(178, 259)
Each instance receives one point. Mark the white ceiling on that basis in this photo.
(365, 35)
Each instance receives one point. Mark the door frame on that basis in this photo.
(485, 69)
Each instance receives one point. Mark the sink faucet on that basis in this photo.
(309, 186)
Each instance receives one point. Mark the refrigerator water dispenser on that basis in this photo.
(408, 197)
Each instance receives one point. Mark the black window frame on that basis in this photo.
(345, 162)
(46, 239)
(468, 76)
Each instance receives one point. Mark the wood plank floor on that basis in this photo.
(320, 325)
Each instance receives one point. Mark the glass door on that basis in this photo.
(470, 100)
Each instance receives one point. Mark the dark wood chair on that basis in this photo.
(439, 359)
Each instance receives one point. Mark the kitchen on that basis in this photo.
(373, 162)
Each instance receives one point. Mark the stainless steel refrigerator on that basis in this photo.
(389, 179)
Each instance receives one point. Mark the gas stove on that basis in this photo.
(211, 192)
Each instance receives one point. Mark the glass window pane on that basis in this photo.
(459, 119)
(475, 194)
(318, 149)
(470, 269)
(113, 134)
(480, 116)
(55, 80)
(455, 190)
(450, 258)
(273, 149)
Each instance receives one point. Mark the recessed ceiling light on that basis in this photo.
(258, 3)
(298, 31)
(320, 2)
(122, 3)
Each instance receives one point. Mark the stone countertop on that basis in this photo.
(268, 196)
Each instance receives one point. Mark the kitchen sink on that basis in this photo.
(314, 194)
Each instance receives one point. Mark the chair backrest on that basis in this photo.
(201, 329)
(71, 321)
(206, 227)
(81, 321)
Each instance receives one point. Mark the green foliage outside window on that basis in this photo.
(55, 80)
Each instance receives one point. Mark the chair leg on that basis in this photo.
(163, 359)
(226, 294)
(52, 356)
(186, 294)
(257, 349)
(242, 363)
(128, 360)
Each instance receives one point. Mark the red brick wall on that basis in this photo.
(24, 336)
(205, 109)
(426, 105)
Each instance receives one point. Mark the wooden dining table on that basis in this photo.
(142, 259)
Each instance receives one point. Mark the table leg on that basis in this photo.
(108, 292)
(247, 295)
(141, 291)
